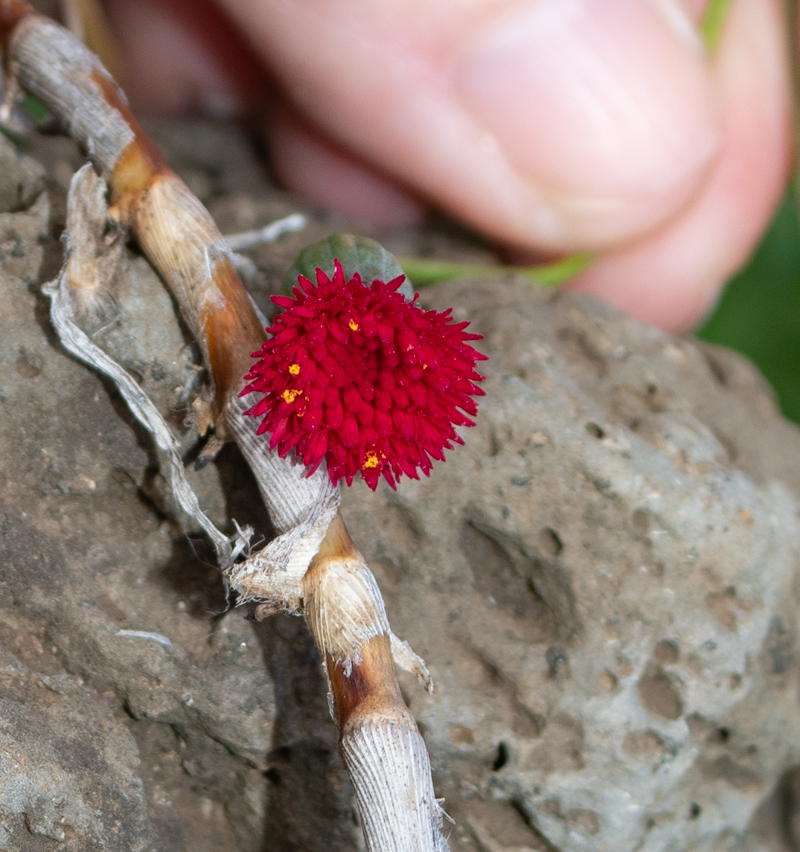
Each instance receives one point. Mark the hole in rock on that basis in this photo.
(501, 758)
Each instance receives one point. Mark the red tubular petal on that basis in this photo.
(365, 415)
(382, 423)
(351, 399)
(334, 415)
(350, 433)
(400, 398)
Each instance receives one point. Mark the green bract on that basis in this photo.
(356, 254)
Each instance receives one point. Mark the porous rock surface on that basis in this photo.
(603, 582)
(609, 572)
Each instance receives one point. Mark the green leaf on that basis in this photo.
(356, 254)
(713, 22)
(759, 311)
(424, 272)
(36, 110)
(40, 115)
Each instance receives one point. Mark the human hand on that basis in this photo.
(551, 126)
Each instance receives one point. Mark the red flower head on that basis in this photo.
(356, 375)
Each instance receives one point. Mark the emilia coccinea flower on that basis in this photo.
(354, 374)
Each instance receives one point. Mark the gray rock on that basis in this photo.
(69, 771)
(96, 585)
(602, 581)
(21, 178)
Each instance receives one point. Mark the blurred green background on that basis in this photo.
(759, 312)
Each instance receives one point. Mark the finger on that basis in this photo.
(555, 124)
(672, 277)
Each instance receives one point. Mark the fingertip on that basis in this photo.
(673, 277)
(607, 110)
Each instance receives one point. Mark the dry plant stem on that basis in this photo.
(86, 20)
(313, 566)
(379, 741)
(88, 265)
(268, 234)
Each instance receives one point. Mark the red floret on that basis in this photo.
(356, 375)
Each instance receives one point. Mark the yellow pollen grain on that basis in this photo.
(290, 393)
(371, 459)
(353, 325)
(294, 369)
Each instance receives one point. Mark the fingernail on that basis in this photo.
(597, 105)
